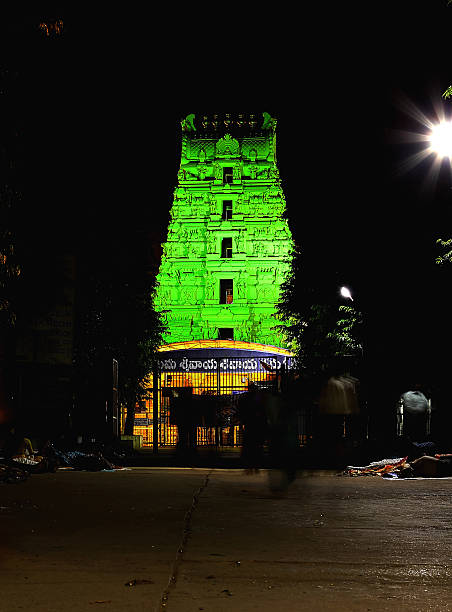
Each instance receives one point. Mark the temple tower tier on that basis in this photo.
(229, 246)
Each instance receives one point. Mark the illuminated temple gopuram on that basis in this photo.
(228, 246)
(227, 252)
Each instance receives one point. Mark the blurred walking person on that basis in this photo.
(282, 428)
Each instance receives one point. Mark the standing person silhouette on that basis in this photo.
(414, 413)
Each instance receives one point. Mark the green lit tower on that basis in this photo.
(229, 245)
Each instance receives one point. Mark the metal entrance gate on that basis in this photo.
(201, 391)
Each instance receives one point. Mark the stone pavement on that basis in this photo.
(185, 540)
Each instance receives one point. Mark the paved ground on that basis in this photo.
(216, 540)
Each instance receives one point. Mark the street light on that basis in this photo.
(345, 292)
(441, 139)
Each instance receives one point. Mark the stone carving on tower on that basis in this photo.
(229, 245)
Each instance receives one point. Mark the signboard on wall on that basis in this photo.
(223, 360)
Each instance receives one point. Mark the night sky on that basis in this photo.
(100, 108)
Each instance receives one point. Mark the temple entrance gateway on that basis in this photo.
(199, 386)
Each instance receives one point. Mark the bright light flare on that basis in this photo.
(432, 143)
(441, 139)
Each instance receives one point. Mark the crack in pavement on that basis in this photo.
(186, 532)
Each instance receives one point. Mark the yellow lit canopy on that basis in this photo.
(222, 344)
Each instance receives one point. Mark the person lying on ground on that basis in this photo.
(428, 467)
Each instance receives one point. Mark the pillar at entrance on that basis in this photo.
(229, 246)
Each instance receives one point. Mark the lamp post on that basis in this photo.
(346, 293)
(441, 145)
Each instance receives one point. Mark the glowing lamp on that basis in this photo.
(345, 292)
(441, 139)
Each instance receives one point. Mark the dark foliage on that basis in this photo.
(116, 320)
(325, 332)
